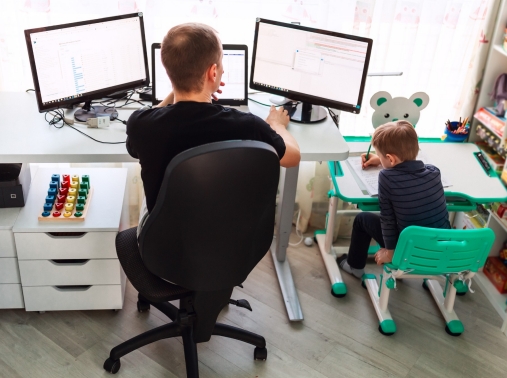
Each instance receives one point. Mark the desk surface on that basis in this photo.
(456, 162)
(27, 138)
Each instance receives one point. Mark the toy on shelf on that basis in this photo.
(68, 198)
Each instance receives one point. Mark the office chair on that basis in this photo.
(427, 253)
(212, 223)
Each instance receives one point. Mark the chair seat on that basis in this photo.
(391, 266)
(146, 283)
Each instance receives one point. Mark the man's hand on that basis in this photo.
(373, 161)
(169, 100)
(278, 117)
(219, 91)
(384, 256)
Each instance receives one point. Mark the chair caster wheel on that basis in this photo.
(425, 286)
(460, 294)
(315, 239)
(451, 333)
(363, 284)
(112, 366)
(142, 306)
(260, 354)
(385, 333)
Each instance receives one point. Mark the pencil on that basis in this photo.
(368, 153)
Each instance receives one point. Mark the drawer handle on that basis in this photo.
(69, 261)
(68, 235)
(72, 287)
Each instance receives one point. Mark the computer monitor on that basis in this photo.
(313, 66)
(84, 61)
(235, 77)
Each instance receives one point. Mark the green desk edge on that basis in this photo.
(464, 202)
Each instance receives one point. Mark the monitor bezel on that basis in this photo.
(89, 95)
(229, 102)
(298, 96)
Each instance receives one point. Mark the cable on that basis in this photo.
(298, 232)
(59, 116)
(335, 117)
(258, 102)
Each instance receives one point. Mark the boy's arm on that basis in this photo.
(387, 215)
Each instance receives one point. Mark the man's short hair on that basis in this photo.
(397, 138)
(188, 50)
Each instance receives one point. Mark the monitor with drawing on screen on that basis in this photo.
(311, 66)
(235, 62)
(84, 61)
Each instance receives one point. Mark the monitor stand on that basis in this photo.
(304, 112)
(88, 111)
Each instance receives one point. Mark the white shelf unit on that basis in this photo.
(496, 64)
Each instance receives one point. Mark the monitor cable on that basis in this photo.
(59, 116)
(335, 117)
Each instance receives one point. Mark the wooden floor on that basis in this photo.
(338, 338)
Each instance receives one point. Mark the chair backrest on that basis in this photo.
(438, 251)
(214, 216)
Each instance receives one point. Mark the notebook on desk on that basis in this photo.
(235, 61)
(367, 179)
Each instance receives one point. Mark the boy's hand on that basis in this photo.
(373, 161)
(384, 256)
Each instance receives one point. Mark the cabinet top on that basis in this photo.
(105, 207)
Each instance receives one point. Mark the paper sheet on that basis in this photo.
(369, 177)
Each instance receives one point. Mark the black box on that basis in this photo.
(13, 192)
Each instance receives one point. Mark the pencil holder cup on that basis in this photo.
(451, 137)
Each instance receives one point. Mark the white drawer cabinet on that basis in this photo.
(58, 298)
(65, 245)
(70, 272)
(7, 248)
(11, 296)
(9, 273)
(73, 265)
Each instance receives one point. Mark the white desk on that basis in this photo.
(27, 138)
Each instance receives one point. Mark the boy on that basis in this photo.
(410, 193)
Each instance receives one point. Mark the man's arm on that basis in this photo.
(278, 119)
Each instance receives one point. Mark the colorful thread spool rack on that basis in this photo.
(67, 199)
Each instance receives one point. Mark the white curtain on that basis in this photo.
(439, 45)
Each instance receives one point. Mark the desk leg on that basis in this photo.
(284, 215)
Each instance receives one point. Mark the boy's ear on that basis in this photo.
(379, 98)
(421, 99)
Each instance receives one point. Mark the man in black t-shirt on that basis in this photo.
(192, 56)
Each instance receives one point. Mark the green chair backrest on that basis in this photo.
(439, 251)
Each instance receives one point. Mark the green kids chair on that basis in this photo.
(427, 252)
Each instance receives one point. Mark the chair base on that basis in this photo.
(182, 326)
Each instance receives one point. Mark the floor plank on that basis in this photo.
(338, 338)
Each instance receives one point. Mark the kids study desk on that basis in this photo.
(25, 137)
(457, 162)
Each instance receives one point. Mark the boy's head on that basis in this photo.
(395, 142)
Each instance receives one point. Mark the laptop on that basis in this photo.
(235, 61)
